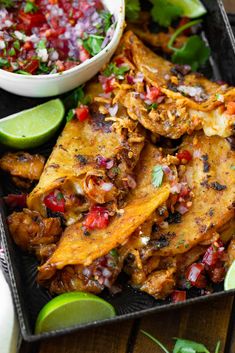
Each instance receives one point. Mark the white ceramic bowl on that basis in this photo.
(55, 84)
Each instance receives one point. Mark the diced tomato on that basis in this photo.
(130, 79)
(195, 276)
(230, 108)
(217, 273)
(185, 191)
(108, 85)
(84, 54)
(178, 296)
(82, 113)
(184, 156)
(97, 218)
(119, 61)
(30, 20)
(15, 201)
(28, 45)
(213, 254)
(31, 66)
(55, 201)
(153, 93)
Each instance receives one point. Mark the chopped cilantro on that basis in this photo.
(132, 9)
(157, 176)
(12, 52)
(22, 72)
(194, 52)
(93, 44)
(41, 44)
(16, 44)
(114, 253)
(232, 167)
(4, 62)
(30, 7)
(44, 68)
(72, 100)
(70, 115)
(7, 3)
(113, 69)
(107, 19)
(60, 196)
(152, 106)
(163, 12)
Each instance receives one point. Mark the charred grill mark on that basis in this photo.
(54, 165)
(174, 218)
(82, 159)
(217, 186)
(206, 164)
(98, 122)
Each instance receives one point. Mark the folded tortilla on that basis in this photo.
(74, 168)
(191, 101)
(75, 248)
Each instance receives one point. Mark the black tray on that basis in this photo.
(28, 296)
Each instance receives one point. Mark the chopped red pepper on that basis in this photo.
(82, 113)
(15, 201)
(195, 276)
(153, 93)
(178, 296)
(55, 201)
(97, 218)
(230, 108)
(184, 156)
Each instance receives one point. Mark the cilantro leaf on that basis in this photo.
(163, 12)
(72, 100)
(157, 176)
(107, 19)
(132, 9)
(70, 115)
(194, 52)
(113, 69)
(7, 3)
(4, 62)
(186, 346)
(30, 7)
(93, 44)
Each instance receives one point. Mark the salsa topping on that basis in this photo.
(50, 36)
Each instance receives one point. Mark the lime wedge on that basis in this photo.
(191, 8)
(32, 127)
(71, 309)
(229, 282)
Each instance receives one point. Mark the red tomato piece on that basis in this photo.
(28, 45)
(230, 108)
(55, 202)
(15, 201)
(195, 276)
(108, 85)
(184, 156)
(178, 296)
(31, 66)
(30, 20)
(82, 113)
(97, 218)
(119, 61)
(84, 54)
(213, 254)
(153, 94)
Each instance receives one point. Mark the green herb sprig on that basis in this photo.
(157, 176)
(194, 52)
(183, 346)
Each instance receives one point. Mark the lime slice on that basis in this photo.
(32, 127)
(229, 282)
(71, 309)
(191, 8)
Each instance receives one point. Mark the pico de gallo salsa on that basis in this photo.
(51, 36)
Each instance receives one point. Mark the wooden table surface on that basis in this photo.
(206, 323)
